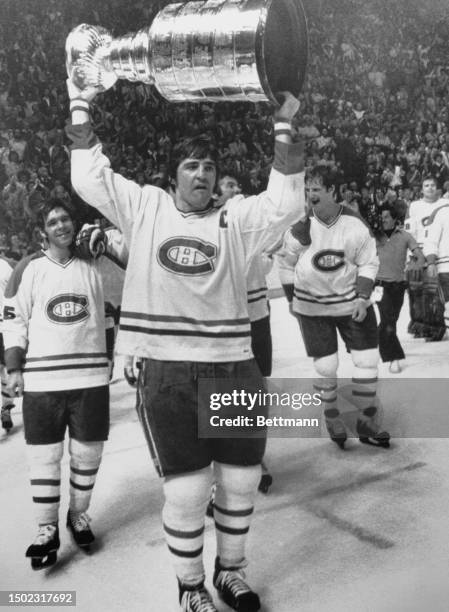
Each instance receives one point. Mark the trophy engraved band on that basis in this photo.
(202, 50)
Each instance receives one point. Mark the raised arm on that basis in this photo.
(264, 218)
(116, 197)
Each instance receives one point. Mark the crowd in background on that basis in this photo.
(373, 109)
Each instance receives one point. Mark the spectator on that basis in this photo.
(393, 244)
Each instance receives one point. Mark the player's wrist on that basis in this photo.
(282, 127)
(79, 110)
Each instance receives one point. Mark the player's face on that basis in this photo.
(59, 228)
(429, 189)
(387, 220)
(317, 194)
(195, 182)
(229, 187)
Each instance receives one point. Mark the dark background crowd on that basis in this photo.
(374, 107)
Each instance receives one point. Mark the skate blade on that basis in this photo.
(39, 563)
(373, 442)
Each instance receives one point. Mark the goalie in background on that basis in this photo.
(436, 250)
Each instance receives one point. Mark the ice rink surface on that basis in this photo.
(364, 530)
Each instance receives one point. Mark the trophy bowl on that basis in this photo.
(201, 50)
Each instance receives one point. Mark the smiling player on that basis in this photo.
(333, 255)
(55, 355)
(185, 310)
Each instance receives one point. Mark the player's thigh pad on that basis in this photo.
(319, 335)
(45, 416)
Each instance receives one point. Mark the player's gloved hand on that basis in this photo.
(359, 310)
(90, 242)
(14, 385)
(75, 93)
(131, 370)
(287, 109)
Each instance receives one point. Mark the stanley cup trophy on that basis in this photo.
(202, 50)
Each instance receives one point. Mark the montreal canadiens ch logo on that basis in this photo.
(329, 260)
(67, 308)
(189, 256)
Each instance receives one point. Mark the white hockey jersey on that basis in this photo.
(112, 267)
(327, 273)
(185, 294)
(5, 273)
(416, 223)
(437, 239)
(54, 315)
(258, 307)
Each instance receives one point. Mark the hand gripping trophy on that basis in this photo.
(202, 50)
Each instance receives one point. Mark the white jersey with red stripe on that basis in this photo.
(326, 272)
(437, 239)
(185, 294)
(54, 316)
(419, 213)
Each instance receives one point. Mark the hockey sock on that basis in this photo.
(326, 385)
(327, 388)
(85, 458)
(233, 509)
(183, 515)
(364, 378)
(44, 462)
(326, 381)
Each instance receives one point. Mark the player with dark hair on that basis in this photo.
(55, 355)
(333, 255)
(393, 243)
(426, 310)
(185, 311)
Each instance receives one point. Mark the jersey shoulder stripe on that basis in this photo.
(17, 274)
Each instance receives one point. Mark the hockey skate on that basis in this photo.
(266, 480)
(234, 591)
(78, 524)
(197, 599)
(6, 417)
(43, 551)
(335, 427)
(368, 428)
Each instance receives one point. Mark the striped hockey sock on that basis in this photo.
(183, 515)
(45, 477)
(364, 392)
(85, 459)
(233, 509)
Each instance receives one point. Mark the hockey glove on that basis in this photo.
(90, 242)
